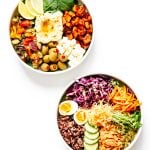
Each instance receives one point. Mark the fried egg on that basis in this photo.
(68, 107)
(49, 27)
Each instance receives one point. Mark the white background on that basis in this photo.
(28, 101)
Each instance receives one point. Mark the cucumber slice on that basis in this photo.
(91, 147)
(91, 136)
(90, 128)
(90, 142)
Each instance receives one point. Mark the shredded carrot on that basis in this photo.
(111, 138)
(123, 99)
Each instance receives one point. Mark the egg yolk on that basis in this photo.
(47, 26)
(66, 107)
(81, 116)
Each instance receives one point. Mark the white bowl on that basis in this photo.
(72, 82)
(60, 71)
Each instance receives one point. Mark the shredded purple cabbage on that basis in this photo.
(89, 90)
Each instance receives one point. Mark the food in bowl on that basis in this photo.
(106, 114)
(51, 36)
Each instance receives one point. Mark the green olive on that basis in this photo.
(53, 56)
(44, 50)
(34, 56)
(53, 50)
(53, 67)
(52, 44)
(35, 65)
(63, 58)
(61, 65)
(46, 58)
(45, 67)
(40, 54)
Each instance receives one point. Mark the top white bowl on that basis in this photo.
(19, 42)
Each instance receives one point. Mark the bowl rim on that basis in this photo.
(93, 74)
(60, 71)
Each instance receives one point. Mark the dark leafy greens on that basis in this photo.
(116, 82)
(53, 5)
(128, 121)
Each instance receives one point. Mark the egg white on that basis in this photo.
(75, 117)
(74, 108)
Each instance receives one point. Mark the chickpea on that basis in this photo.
(46, 58)
(52, 44)
(44, 50)
(45, 67)
(61, 65)
(53, 67)
(63, 58)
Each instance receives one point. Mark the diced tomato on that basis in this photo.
(25, 23)
(28, 40)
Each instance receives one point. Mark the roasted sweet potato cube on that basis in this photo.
(75, 8)
(75, 32)
(73, 22)
(81, 22)
(68, 24)
(81, 30)
(68, 18)
(70, 36)
(82, 44)
(87, 39)
(77, 20)
(87, 25)
(81, 10)
(64, 20)
(85, 46)
(89, 18)
(65, 13)
(90, 30)
(71, 13)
